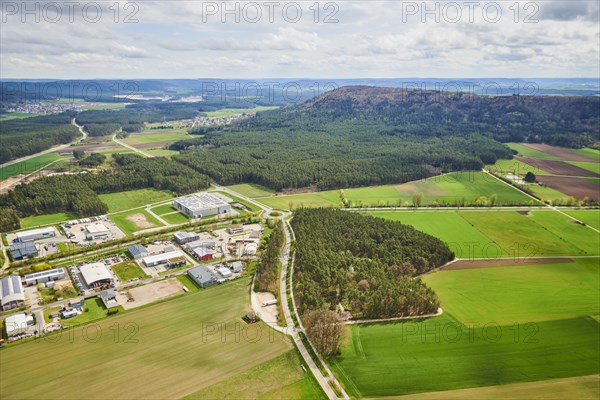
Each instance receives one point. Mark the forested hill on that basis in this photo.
(558, 120)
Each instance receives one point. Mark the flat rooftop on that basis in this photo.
(162, 257)
(96, 228)
(201, 201)
(37, 231)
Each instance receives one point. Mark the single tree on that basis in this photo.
(530, 177)
(325, 329)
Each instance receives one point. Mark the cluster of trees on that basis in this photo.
(268, 264)
(79, 193)
(24, 136)
(93, 160)
(364, 264)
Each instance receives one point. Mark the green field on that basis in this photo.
(251, 190)
(589, 217)
(515, 167)
(547, 193)
(593, 153)
(128, 270)
(160, 152)
(28, 166)
(93, 311)
(47, 219)
(166, 350)
(15, 115)
(590, 166)
(236, 199)
(279, 378)
(155, 138)
(501, 325)
(529, 152)
(163, 209)
(491, 234)
(121, 201)
(457, 187)
(230, 112)
(476, 295)
(128, 226)
(175, 218)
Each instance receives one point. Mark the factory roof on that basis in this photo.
(201, 201)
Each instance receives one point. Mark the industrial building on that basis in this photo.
(186, 237)
(35, 234)
(202, 254)
(45, 276)
(235, 229)
(200, 205)
(207, 244)
(109, 298)
(22, 250)
(11, 293)
(137, 251)
(202, 276)
(237, 266)
(250, 249)
(96, 274)
(97, 231)
(17, 324)
(224, 272)
(171, 258)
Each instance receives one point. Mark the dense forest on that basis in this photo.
(24, 136)
(268, 265)
(357, 136)
(364, 263)
(79, 193)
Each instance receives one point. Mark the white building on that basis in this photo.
(185, 237)
(97, 231)
(16, 324)
(35, 234)
(96, 274)
(45, 276)
(171, 258)
(11, 293)
(224, 272)
(200, 205)
(250, 249)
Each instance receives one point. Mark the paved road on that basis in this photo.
(117, 141)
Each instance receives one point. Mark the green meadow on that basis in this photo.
(230, 112)
(500, 326)
(251, 190)
(121, 201)
(590, 166)
(155, 138)
(129, 227)
(529, 152)
(123, 356)
(46, 219)
(589, 217)
(175, 218)
(28, 166)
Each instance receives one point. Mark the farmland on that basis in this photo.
(457, 187)
(251, 190)
(132, 364)
(28, 166)
(491, 234)
(500, 326)
(145, 138)
(230, 112)
(121, 201)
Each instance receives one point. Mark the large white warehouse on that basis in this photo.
(200, 205)
(34, 234)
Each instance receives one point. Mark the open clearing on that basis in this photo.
(251, 190)
(175, 218)
(121, 201)
(163, 351)
(590, 217)
(46, 219)
(555, 167)
(560, 153)
(28, 166)
(230, 112)
(134, 220)
(457, 187)
(504, 262)
(575, 187)
(590, 166)
(491, 234)
(128, 270)
(151, 137)
(526, 151)
(153, 292)
(581, 388)
(163, 209)
(519, 337)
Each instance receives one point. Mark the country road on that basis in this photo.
(117, 141)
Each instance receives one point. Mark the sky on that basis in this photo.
(302, 39)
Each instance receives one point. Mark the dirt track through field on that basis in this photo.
(140, 221)
(557, 167)
(560, 152)
(504, 262)
(576, 187)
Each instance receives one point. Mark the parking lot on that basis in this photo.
(76, 230)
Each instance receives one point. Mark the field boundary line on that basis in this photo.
(439, 312)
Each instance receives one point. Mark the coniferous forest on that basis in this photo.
(363, 263)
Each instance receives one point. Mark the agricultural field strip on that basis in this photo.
(117, 141)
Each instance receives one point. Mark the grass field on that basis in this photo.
(491, 234)
(590, 217)
(501, 325)
(16, 115)
(529, 152)
(128, 226)
(161, 152)
(133, 198)
(166, 350)
(175, 218)
(580, 387)
(588, 152)
(244, 202)
(93, 311)
(46, 219)
(279, 378)
(465, 187)
(547, 193)
(230, 112)
(163, 209)
(128, 270)
(154, 138)
(28, 166)
(251, 190)
(480, 295)
(590, 166)
(515, 167)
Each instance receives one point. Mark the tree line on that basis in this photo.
(267, 272)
